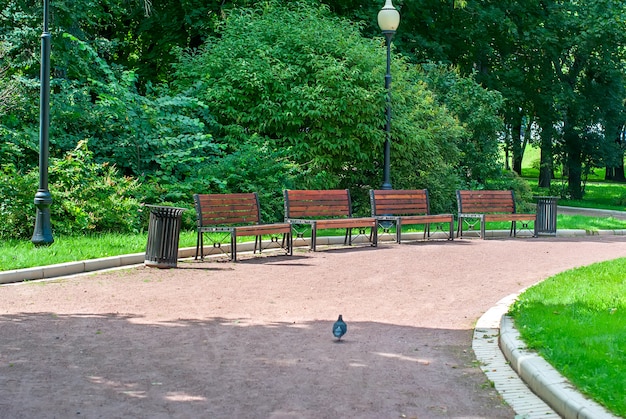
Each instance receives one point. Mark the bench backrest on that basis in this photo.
(227, 209)
(317, 203)
(484, 202)
(400, 202)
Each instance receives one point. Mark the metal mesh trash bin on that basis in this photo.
(163, 236)
(546, 215)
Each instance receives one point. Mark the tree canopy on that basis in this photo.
(182, 97)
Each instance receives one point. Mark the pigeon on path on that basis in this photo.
(339, 328)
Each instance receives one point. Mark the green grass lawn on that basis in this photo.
(598, 193)
(530, 166)
(576, 320)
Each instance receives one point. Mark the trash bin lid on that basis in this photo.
(165, 210)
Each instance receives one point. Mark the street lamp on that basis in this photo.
(43, 230)
(388, 21)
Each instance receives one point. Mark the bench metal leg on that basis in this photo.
(462, 220)
(199, 246)
(398, 231)
(313, 237)
(289, 244)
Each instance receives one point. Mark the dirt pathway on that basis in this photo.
(254, 339)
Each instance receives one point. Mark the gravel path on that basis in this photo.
(254, 340)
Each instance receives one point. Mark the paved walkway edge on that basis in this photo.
(526, 381)
(514, 391)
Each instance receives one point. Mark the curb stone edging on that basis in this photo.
(544, 380)
(529, 384)
(525, 403)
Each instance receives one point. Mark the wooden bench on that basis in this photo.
(408, 207)
(326, 209)
(236, 215)
(485, 206)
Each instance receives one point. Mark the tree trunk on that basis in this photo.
(574, 178)
(616, 173)
(573, 161)
(546, 165)
(516, 146)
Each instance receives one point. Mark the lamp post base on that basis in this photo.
(42, 236)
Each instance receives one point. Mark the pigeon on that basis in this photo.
(339, 328)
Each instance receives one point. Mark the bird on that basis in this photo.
(339, 328)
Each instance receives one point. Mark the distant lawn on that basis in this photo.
(598, 193)
(576, 320)
(531, 160)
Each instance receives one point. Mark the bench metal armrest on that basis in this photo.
(387, 217)
(214, 229)
(299, 221)
(471, 215)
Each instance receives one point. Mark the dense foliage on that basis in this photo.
(87, 197)
(184, 97)
(302, 82)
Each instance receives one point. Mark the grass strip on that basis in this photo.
(19, 254)
(576, 320)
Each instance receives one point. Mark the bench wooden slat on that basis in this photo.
(346, 223)
(407, 207)
(315, 210)
(324, 209)
(239, 215)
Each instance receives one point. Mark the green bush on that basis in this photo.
(310, 87)
(255, 168)
(90, 196)
(17, 209)
(86, 197)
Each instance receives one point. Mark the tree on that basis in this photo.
(477, 109)
(300, 79)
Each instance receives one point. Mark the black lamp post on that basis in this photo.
(388, 21)
(43, 230)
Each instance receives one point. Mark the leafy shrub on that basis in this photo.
(17, 209)
(255, 168)
(89, 197)
(86, 197)
(477, 109)
(309, 85)
(296, 75)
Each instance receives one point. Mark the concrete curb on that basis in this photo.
(512, 389)
(529, 384)
(92, 265)
(544, 380)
